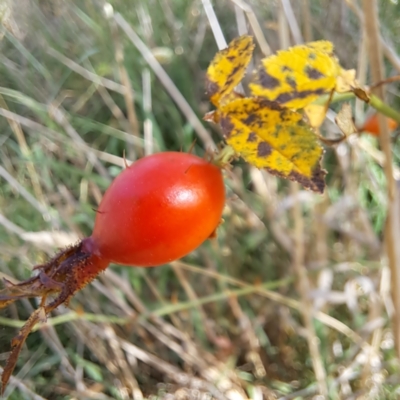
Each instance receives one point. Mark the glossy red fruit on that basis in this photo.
(157, 210)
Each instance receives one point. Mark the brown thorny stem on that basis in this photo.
(63, 275)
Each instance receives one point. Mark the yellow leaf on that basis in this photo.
(315, 114)
(268, 136)
(228, 68)
(297, 76)
(346, 81)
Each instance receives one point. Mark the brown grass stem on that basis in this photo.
(392, 233)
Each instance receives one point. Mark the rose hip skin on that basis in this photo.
(157, 210)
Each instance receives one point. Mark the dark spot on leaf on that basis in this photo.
(237, 68)
(266, 80)
(264, 149)
(285, 97)
(285, 68)
(313, 73)
(211, 87)
(316, 183)
(229, 81)
(306, 93)
(286, 115)
(250, 119)
(275, 172)
(291, 82)
(273, 105)
(248, 45)
(252, 137)
(227, 126)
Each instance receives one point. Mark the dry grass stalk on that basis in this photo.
(255, 26)
(392, 232)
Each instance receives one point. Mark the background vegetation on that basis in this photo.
(82, 83)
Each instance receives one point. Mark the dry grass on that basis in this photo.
(293, 300)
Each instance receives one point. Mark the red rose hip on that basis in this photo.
(157, 210)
